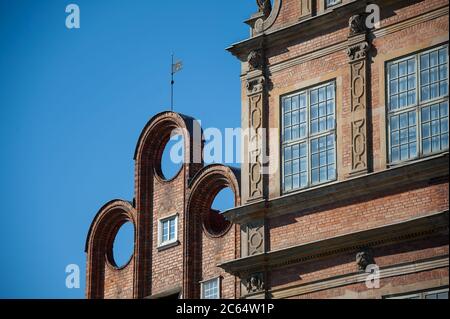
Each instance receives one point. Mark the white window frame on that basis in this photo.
(172, 241)
(309, 137)
(218, 280)
(416, 107)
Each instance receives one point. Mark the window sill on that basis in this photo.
(387, 180)
(169, 245)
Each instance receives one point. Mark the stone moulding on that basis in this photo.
(388, 180)
(305, 26)
(354, 278)
(414, 228)
(262, 24)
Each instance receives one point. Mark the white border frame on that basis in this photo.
(162, 244)
(219, 287)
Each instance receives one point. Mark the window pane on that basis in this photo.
(165, 231)
(287, 105)
(403, 136)
(434, 128)
(402, 84)
(210, 289)
(323, 159)
(434, 74)
(330, 3)
(442, 295)
(172, 230)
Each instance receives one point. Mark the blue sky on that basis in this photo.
(72, 106)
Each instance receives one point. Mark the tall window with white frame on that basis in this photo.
(211, 289)
(309, 137)
(418, 105)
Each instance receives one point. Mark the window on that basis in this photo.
(331, 3)
(418, 105)
(168, 229)
(309, 138)
(211, 289)
(433, 294)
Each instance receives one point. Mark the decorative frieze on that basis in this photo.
(357, 51)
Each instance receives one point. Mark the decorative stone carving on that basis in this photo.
(255, 86)
(264, 6)
(364, 258)
(255, 60)
(256, 93)
(305, 8)
(359, 145)
(358, 51)
(357, 24)
(255, 140)
(255, 238)
(254, 283)
(269, 16)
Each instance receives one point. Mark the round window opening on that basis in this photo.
(123, 245)
(172, 159)
(215, 222)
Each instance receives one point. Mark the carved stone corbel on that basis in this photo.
(358, 48)
(357, 24)
(364, 258)
(255, 60)
(253, 283)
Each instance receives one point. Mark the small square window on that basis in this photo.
(168, 229)
(211, 289)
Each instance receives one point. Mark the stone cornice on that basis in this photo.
(388, 180)
(305, 26)
(418, 227)
(339, 281)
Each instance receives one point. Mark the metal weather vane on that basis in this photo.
(176, 67)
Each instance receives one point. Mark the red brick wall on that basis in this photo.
(360, 291)
(356, 215)
(359, 213)
(190, 194)
(216, 251)
(119, 282)
(345, 263)
(167, 265)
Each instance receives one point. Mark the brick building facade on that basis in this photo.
(345, 167)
